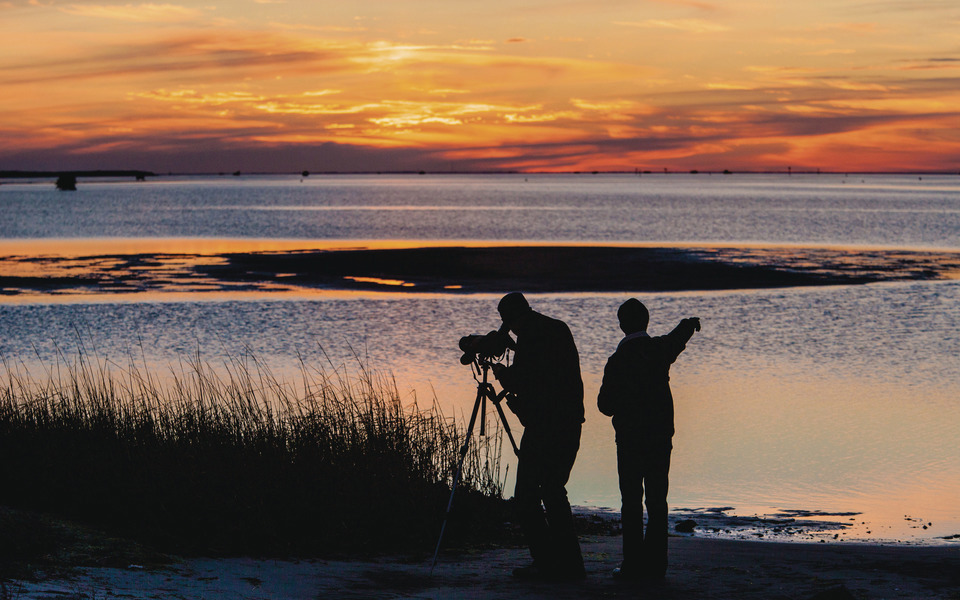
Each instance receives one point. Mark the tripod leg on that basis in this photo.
(506, 426)
(456, 477)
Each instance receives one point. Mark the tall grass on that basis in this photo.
(230, 459)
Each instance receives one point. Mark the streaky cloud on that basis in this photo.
(687, 25)
(146, 13)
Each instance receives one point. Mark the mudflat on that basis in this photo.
(468, 269)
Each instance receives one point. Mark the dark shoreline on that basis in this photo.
(699, 568)
(467, 269)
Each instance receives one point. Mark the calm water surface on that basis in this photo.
(835, 399)
(805, 209)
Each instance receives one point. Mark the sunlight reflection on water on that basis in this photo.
(841, 398)
(837, 399)
(827, 209)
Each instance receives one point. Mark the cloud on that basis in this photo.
(860, 86)
(592, 5)
(830, 52)
(446, 92)
(11, 4)
(687, 25)
(707, 6)
(145, 13)
(614, 109)
(300, 108)
(850, 27)
(913, 6)
(703, 135)
(321, 28)
(212, 155)
(929, 64)
(193, 97)
(737, 141)
(729, 86)
(119, 89)
(217, 56)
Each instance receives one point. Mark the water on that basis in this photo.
(807, 209)
(837, 399)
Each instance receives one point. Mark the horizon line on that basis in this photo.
(113, 173)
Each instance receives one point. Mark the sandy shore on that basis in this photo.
(700, 568)
(464, 269)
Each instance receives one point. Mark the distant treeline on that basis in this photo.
(101, 173)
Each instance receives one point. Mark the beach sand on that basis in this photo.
(700, 568)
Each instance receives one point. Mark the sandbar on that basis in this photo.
(465, 269)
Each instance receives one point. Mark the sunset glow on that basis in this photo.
(291, 85)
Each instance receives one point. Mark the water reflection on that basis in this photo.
(826, 209)
(836, 399)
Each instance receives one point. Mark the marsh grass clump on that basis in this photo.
(232, 460)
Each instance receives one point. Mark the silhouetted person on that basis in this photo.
(636, 392)
(545, 377)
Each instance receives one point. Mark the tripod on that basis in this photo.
(485, 391)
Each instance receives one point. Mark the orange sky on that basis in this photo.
(368, 85)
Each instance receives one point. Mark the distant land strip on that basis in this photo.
(472, 270)
(46, 174)
(15, 174)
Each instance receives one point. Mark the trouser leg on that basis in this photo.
(543, 508)
(631, 510)
(526, 495)
(643, 468)
(656, 478)
(560, 461)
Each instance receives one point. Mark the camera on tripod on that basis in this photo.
(485, 348)
(483, 352)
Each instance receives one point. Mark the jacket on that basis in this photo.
(635, 390)
(545, 375)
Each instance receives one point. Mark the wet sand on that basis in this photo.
(466, 269)
(699, 569)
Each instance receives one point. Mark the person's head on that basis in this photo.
(513, 309)
(633, 316)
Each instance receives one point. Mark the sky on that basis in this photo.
(464, 85)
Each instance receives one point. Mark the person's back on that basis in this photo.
(546, 373)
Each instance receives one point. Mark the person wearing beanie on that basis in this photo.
(635, 391)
